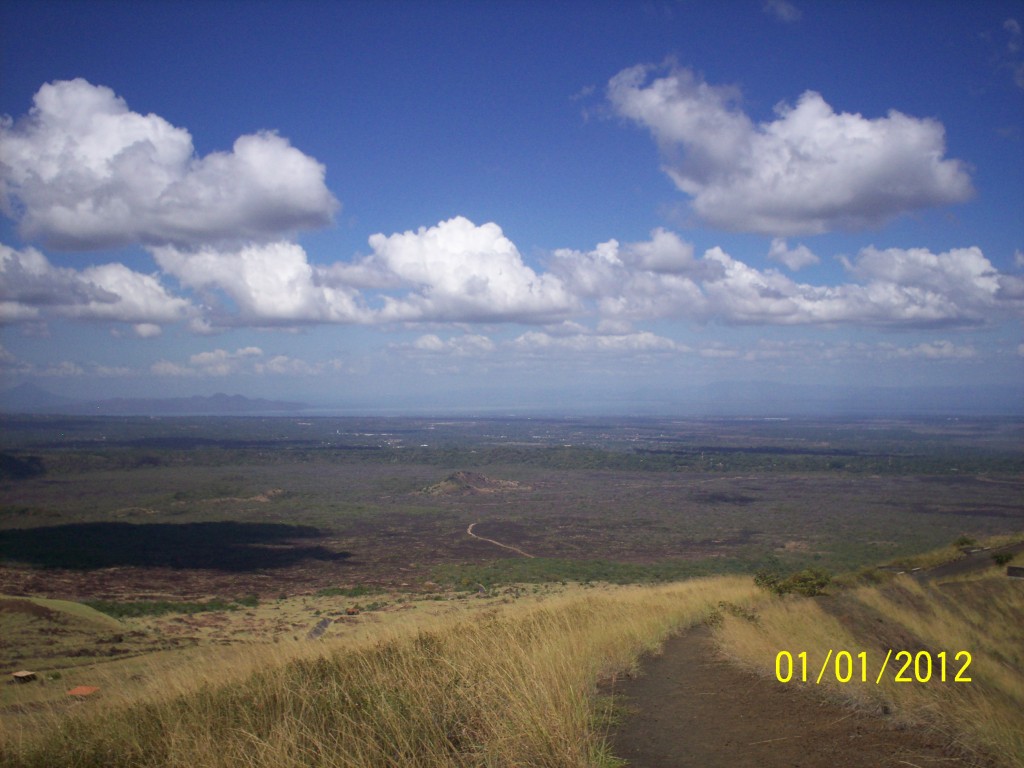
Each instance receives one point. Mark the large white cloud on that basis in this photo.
(810, 170)
(268, 283)
(82, 171)
(33, 288)
(894, 287)
(898, 288)
(655, 278)
(455, 271)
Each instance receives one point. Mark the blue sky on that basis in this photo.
(545, 205)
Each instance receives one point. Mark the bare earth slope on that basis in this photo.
(690, 708)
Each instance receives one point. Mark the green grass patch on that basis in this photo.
(540, 570)
(77, 610)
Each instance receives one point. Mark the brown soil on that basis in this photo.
(689, 707)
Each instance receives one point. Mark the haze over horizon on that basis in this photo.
(410, 205)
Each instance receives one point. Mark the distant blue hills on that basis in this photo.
(26, 398)
(723, 399)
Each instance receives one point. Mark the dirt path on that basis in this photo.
(496, 543)
(975, 561)
(690, 708)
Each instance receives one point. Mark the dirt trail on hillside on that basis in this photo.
(688, 707)
(517, 550)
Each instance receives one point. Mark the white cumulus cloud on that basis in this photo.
(959, 284)
(810, 170)
(897, 287)
(82, 171)
(893, 287)
(455, 271)
(655, 278)
(794, 258)
(271, 282)
(217, 362)
(665, 252)
(33, 288)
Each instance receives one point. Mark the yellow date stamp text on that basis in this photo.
(861, 667)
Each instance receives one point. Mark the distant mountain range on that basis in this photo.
(28, 399)
(724, 399)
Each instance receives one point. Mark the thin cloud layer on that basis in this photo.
(638, 343)
(82, 171)
(466, 345)
(782, 10)
(810, 170)
(252, 361)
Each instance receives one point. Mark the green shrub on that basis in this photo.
(808, 582)
(769, 575)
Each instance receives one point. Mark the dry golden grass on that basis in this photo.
(954, 552)
(981, 616)
(511, 685)
(514, 682)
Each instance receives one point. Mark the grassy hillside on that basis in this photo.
(36, 632)
(967, 629)
(70, 609)
(513, 685)
(515, 682)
